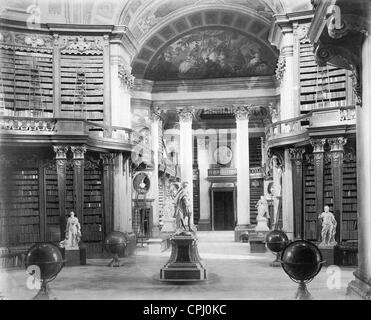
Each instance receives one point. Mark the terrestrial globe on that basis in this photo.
(48, 258)
(115, 243)
(276, 241)
(302, 261)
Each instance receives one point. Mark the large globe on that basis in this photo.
(301, 260)
(115, 242)
(276, 240)
(47, 257)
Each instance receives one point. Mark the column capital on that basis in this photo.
(318, 145)
(281, 67)
(186, 114)
(242, 112)
(107, 158)
(337, 144)
(61, 152)
(125, 76)
(296, 154)
(155, 114)
(78, 152)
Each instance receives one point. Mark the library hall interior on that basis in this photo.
(185, 149)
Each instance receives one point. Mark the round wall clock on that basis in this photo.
(223, 155)
(141, 183)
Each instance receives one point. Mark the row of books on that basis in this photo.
(18, 238)
(350, 207)
(18, 221)
(87, 219)
(349, 215)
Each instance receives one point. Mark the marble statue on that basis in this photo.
(182, 206)
(277, 187)
(73, 233)
(328, 227)
(262, 217)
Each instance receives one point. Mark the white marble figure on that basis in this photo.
(73, 233)
(328, 228)
(262, 217)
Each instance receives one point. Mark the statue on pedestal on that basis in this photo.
(182, 206)
(328, 228)
(262, 217)
(73, 233)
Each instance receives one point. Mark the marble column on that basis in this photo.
(297, 189)
(186, 150)
(122, 198)
(287, 197)
(156, 124)
(337, 151)
(242, 114)
(318, 154)
(61, 161)
(107, 162)
(361, 286)
(203, 165)
(78, 180)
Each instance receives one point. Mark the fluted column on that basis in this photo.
(78, 153)
(242, 114)
(156, 123)
(318, 153)
(186, 150)
(61, 161)
(203, 165)
(337, 151)
(297, 189)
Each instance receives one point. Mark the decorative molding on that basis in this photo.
(82, 45)
(78, 152)
(155, 114)
(107, 158)
(296, 154)
(186, 114)
(26, 41)
(281, 67)
(126, 77)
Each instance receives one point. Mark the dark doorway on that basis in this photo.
(223, 210)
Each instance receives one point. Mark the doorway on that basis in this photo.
(223, 210)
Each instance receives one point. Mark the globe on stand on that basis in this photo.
(302, 261)
(115, 243)
(45, 261)
(276, 241)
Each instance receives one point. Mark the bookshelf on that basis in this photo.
(19, 210)
(310, 214)
(52, 205)
(92, 224)
(82, 87)
(27, 83)
(349, 214)
(196, 195)
(337, 81)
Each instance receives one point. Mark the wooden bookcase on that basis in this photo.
(82, 86)
(26, 83)
(52, 205)
(310, 214)
(338, 80)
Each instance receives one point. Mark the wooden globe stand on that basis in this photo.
(115, 262)
(303, 293)
(277, 262)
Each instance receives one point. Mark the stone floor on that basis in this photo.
(235, 274)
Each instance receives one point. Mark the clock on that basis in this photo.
(223, 155)
(141, 183)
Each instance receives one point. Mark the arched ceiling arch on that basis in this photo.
(241, 31)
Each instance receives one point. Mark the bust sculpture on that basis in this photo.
(182, 206)
(73, 233)
(328, 227)
(262, 217)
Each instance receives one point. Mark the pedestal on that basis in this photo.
(184, 263)
(72, 257)
(327, 255)
(168, 225)
(257, 242)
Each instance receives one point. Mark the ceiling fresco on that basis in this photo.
(212, 53)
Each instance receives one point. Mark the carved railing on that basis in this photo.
(12, 123)
(334, 116)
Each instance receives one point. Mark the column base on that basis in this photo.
(240, 229)
(358, 288)
(204, 225)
